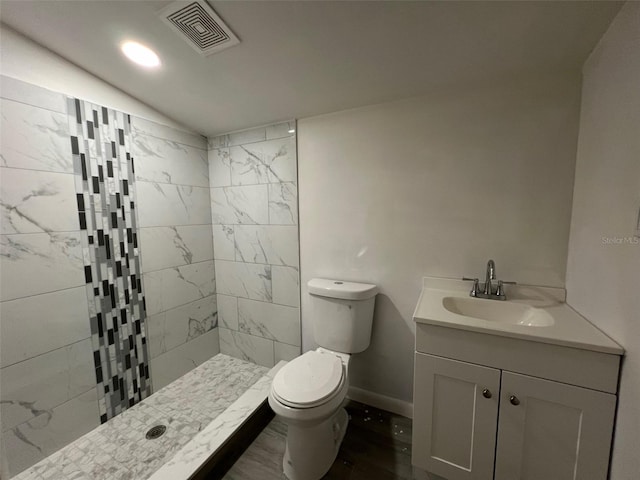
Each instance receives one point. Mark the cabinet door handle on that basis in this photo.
(514, 400)
(486, 393)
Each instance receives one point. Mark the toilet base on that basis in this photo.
(311, 450)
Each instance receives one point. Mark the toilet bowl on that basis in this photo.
(307, 394)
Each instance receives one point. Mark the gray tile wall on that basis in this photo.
(254, 208)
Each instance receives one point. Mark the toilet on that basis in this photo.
(307, 393)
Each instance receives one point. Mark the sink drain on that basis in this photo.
(156, 432)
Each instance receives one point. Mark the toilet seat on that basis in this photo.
(311, 379)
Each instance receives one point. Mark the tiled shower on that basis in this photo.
(133, 252)
(255, 232)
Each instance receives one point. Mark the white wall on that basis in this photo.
(28, 61)
(436, 185)
(603, 275)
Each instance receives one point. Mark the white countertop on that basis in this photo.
(570, 328)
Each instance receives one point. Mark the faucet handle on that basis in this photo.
(501, 284)
(476, 285)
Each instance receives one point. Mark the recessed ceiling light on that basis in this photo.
(138, 53)
(292, 130)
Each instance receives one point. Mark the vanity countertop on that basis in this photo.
(569, 328)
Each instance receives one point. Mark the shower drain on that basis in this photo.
(156, 432)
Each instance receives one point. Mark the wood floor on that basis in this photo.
(377, 446)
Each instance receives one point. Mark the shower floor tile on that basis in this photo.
(118, 449)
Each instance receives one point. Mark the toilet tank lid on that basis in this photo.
(340, 289)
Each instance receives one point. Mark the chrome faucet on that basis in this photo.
(490, 275)
(486, 290)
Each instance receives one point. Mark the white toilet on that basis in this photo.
(307, 393)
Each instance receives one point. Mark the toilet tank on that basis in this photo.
(342, 314)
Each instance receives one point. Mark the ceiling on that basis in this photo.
(303, 58)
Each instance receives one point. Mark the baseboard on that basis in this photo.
(382, 402)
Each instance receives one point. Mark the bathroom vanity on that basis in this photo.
(505, 390)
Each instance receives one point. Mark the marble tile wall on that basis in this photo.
(174, 211)
(48, 391)
(254, 211)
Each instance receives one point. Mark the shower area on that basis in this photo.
(149, 278)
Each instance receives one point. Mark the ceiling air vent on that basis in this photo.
(200, 26)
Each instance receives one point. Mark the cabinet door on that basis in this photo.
(455, 408)
(552, 431)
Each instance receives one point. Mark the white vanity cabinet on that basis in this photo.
(552, 430)
(454, 419)
(489, 407)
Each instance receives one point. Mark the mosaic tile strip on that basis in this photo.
(105, 188)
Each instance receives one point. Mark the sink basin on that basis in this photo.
(531, 313)
(510, 313)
